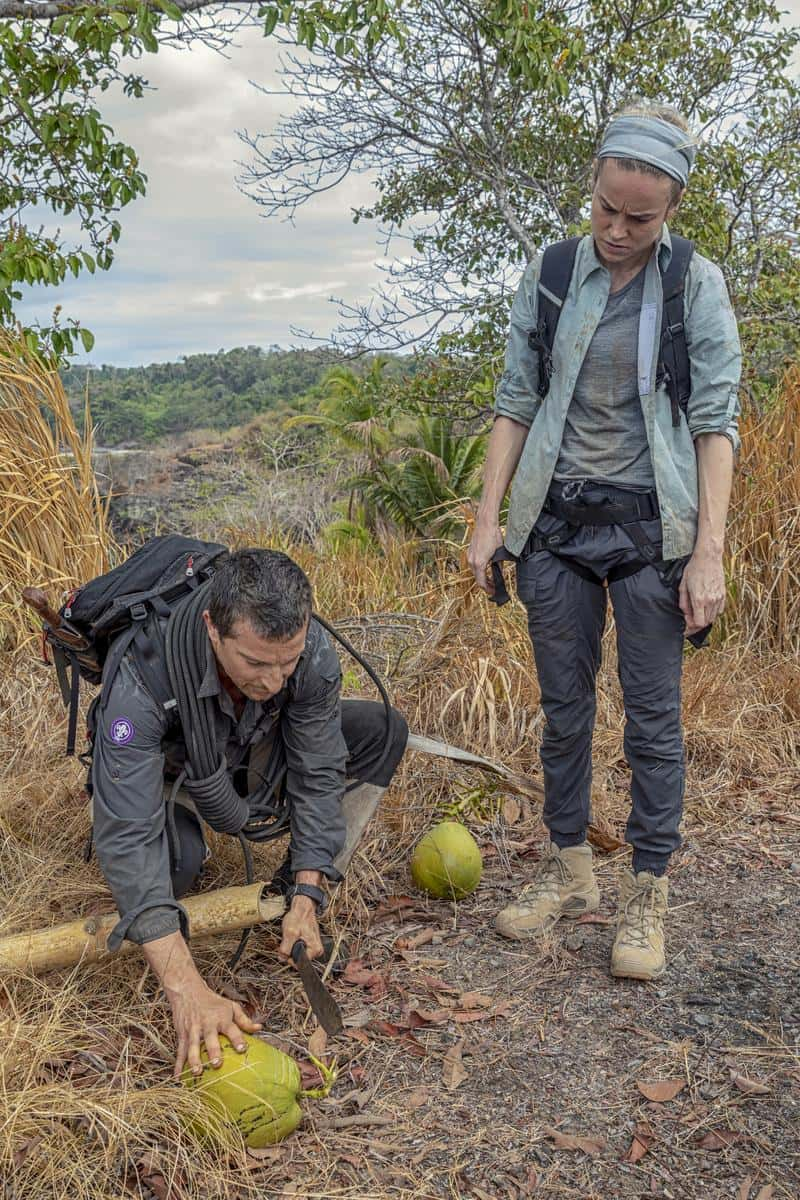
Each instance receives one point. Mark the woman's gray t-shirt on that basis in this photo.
(604, 434)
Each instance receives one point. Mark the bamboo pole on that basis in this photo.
(223, 910)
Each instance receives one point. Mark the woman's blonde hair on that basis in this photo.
(664, 112)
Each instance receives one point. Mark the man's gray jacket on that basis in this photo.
(138, 745)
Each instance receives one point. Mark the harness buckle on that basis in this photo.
(138, 611)
(572, 489)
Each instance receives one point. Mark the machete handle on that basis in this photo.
(36, 599)
(298, 951)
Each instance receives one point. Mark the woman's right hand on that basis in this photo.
(486, 539)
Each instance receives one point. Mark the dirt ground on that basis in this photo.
(477, 1067)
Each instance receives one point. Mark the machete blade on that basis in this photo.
(323, 1005)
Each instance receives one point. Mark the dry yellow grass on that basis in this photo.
(86, 1112)
(53, 527)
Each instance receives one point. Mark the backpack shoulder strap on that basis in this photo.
(558, 262)
(673, 366)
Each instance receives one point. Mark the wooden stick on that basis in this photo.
(220, 911)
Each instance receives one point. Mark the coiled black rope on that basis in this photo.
(205, 776)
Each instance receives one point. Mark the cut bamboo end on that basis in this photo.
(223, 910)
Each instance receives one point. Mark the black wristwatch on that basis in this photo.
(308, 889)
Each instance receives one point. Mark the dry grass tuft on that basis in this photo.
(764, 534)
(53, 528)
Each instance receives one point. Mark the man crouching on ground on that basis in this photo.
(268, 711)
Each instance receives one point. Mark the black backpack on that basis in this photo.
(101, 620)
(673, 362)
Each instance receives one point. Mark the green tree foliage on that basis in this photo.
(481, 126)
(414, 469)
(60, 160)
(137, 405)
(431, 473)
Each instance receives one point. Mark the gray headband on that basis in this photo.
(651, 140)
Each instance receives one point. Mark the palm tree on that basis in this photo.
(352, 410)
(422, 483)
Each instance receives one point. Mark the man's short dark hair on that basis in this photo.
(261, 588)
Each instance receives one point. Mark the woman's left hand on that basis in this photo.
(702, 591)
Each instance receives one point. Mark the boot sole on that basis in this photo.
(549, 922)
(641, 976)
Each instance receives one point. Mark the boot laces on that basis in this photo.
(553, 875)
(639, 913)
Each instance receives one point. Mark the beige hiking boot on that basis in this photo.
(564, 887)
(638, 951)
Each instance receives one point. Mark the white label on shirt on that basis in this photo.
(647, 339)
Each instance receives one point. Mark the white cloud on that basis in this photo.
(198, 267)
(266, 292)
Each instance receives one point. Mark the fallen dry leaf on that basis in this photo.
(418, 1018)
(417, 1098)
(571, 1141)
(594, 919)
(418, 939)
(389, 1029)
(751, 1087)
(152, 1176)
(261, 1154)
(23, 1150)
(392, 906)
(659, 1091)
(434, 984)
(766, 1192)
(318, 1042)
(604, 839)
(511, 810)
(310, 1075)
(643, 1139)
(453, 1070)
(717, 1139)
(468, 1000)
(744, 1188)
(232, 992)
(360, 975)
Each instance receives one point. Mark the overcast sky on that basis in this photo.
(198, 268)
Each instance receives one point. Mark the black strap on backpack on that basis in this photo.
(673, 360)
(558, 261)
(673, 367)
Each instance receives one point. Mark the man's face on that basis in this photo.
(259, 667)
(628, 210)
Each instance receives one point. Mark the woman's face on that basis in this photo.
(628, 210)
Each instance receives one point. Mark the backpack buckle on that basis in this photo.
(138, 611)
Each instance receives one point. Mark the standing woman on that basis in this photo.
(615, 483)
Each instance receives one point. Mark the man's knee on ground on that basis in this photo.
(374, 754)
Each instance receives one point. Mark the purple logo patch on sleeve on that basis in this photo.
(122, 731)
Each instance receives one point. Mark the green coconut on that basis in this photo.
(256, 1093)
(447, 862)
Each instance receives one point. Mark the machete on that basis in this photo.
(322, 1003)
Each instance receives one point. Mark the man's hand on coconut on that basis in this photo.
(200, 1015)
(702, 591)
(485, 540)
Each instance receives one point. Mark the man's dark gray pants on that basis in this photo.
(364, 732)
(566, 618)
